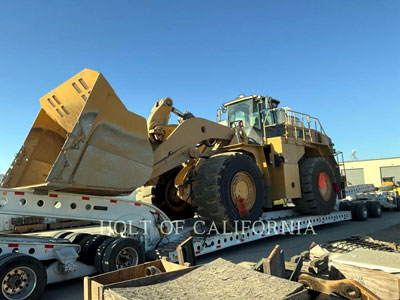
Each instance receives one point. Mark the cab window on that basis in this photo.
(245, 111)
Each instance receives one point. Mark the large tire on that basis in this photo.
(100, 252)
(218, 181)
(164, 196)
(359, 211)
(375, 209)
(122, 253)
(317, 187)
(88, 251)
(22, 277)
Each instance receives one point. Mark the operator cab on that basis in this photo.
(249, 112)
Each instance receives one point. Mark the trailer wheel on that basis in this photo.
(88, 252)
(375, 209)
(318, 196)
(83, 242)
(344, 205)
(228, 188)
(6, 255)
(61, 234)
(122, 253)
(100, 253)
(22, 277)
(359, 211)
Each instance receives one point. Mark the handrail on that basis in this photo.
(295, 119)
(340, 160)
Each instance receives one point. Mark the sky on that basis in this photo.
(336, 60)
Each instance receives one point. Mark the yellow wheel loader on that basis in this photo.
(84, 140)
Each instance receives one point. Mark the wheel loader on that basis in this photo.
(84, 140)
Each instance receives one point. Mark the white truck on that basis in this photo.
(365, 201)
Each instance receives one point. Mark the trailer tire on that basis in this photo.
(344, 206)
(6, 255)
(88, 251)
(100, 252)
(22, 274)
(122, 253)
(359, 211)
(375, 209)
(318, 196)
(223, 177)
(82, 243)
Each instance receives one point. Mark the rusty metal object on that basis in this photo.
(350, 289)
(152, 270)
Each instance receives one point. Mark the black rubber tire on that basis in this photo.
(88, 251)
(113, 249)
(61, 234)
(353, 211)
(344, 206)
(6, 255)
(82, 243)
(9, 262)
(165, 188)
(311, 201)
(100, 252)
(76, 237)
(359, 211)
(375, 209)
(211, 189)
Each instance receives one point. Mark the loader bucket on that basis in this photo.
(84, 140)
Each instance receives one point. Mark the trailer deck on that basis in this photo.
(65, 256)
(269, 225)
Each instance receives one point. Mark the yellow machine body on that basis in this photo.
(84, 139)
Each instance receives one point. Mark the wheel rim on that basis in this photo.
(243, 192)
(172, 199)
(127, 257)
(325, 186)
(19, 283)
(365, 212)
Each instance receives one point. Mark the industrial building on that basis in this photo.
(371, 170)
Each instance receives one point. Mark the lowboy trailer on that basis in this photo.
(28, 262)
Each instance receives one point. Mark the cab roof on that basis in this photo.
(243, 98)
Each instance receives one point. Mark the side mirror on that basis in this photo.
(219, 113)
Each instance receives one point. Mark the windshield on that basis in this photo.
(246, 111)
(252, 112)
